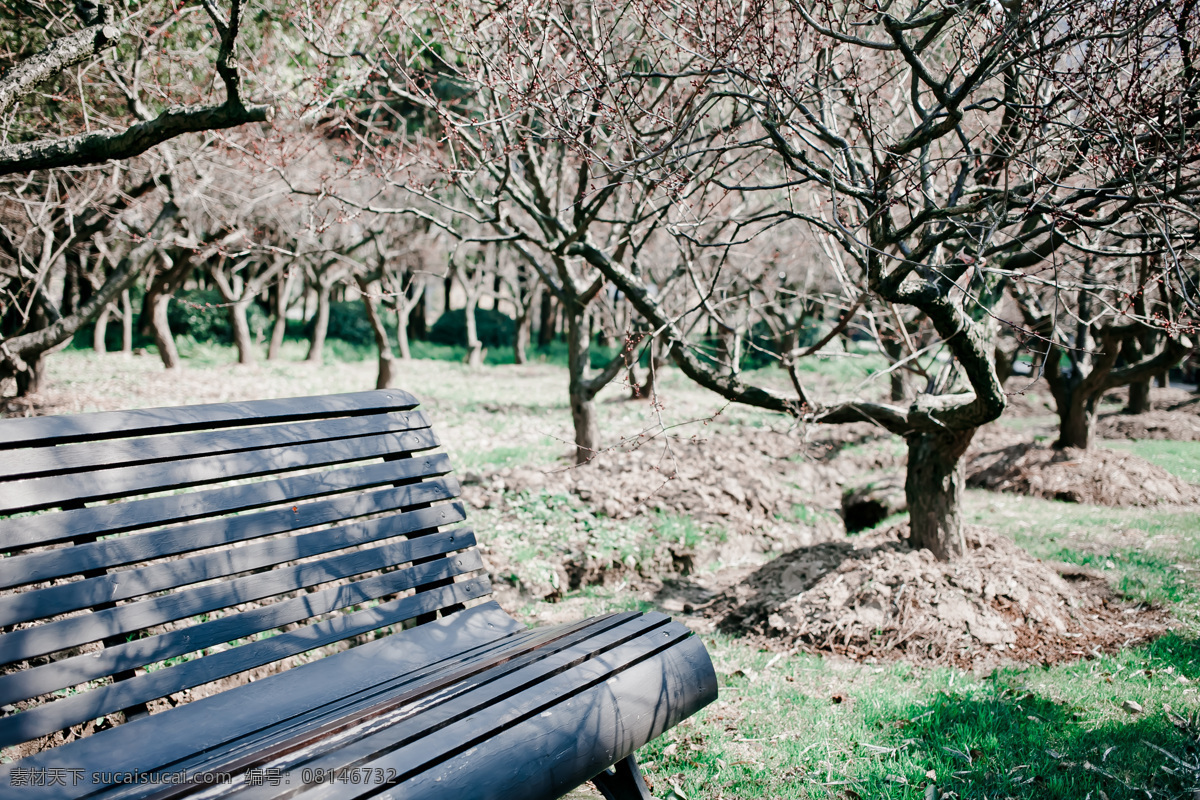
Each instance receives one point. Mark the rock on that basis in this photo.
(1132, 706)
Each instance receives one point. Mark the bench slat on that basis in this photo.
(130, 583)
(155, 511)
(530, 693)
(120, 424)
(333, 719)
(139, 652)
(72, 710)
(59, 459)
(40, 493)
(573, 725)
(425, 730)
(127, 619)
(207, 724)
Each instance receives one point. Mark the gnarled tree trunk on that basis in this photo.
(933, 487)
(283, 295)
(100, 329)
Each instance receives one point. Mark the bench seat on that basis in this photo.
(205, 542)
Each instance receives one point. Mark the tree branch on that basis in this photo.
(92, 148)
(63, 52)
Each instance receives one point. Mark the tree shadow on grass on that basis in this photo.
(1062, 732)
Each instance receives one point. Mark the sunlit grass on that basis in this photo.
(1178, 458)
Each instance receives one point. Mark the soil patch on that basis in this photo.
(1179, 426)
(1102, 477)
(876, 597)
(763, 491)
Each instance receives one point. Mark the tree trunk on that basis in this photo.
(101, 328)
(583, 406)
(126, 323)
(933, 487)
(416, 326)
(474, 346)
(731, 351)
(283, 293)
(546, 317)
(387, 361)
(403, 316)
(241, 330)
(1139, 398)
(521, 335)
(162, 332)
(658, 360)
(895, 350)
(316, 344)
(30, 379)
(1077, 423)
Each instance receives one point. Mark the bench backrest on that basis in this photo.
(150, 552)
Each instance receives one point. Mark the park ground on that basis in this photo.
(693, 495)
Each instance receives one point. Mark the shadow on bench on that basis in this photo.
(184, 570)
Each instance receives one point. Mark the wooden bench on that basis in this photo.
(166, 567)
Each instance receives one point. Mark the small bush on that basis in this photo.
(348, 322)
(203, 315)
(495, 328)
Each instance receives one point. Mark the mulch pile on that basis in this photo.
(878, 598)
(740, 480)
(1098, 476)
(1179, 426)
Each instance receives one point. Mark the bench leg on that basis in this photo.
(622, 781)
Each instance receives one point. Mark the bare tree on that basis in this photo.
(947, 152)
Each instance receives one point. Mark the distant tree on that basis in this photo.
(92, 234)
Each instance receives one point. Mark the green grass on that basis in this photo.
(1152, 554)
(1178, 458)
(776, 730)
(804, 726)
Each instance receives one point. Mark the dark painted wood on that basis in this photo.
(206, 725)
(210, 503)
(161, 576)
(129, 618)
(160, 683)
(28, 462)
(545, 742)
(472, 667)
(121, 424)
(39, 493)
(420, 737)
(74, 670)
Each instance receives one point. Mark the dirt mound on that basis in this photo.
(876, 597)
(1102, 477)
(1179, 426)
(744, 482)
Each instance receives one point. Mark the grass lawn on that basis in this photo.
(1178, 458)
(806, 726)
(796, 725)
